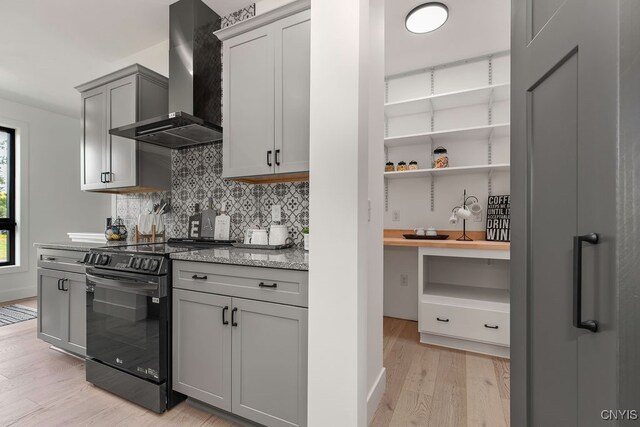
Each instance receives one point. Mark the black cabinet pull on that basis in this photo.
(442, 320)
(61, 285)
(269, 158)
(48, 258)
(491, 326)
(102, 177)
(59, 288)
(196, 277)
(591, 325)
(278, 157)
(263, 285)
(233, 317)
(224, 315)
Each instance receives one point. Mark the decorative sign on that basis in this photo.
(499, 218)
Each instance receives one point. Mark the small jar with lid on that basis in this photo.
(440, 158)
(402, 166)
(389, 167)
(413, 165)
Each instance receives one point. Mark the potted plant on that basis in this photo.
(305, 234)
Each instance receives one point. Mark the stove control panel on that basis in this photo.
(138, 263)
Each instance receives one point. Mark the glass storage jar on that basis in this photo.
(440, 158)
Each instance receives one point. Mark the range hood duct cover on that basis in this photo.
(195, 82)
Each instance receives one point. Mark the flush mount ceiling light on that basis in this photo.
(427, 17)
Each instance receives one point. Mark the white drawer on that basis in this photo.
(467, 323)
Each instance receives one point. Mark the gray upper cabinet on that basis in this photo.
(248, 99)
(270, 363)
(202, 347)
(113, 164)
(293, 76)
(266, 66)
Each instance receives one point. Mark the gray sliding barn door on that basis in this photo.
(563, 184)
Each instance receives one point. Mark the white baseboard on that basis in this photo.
(15, 294)
(375, 394)
(466, 345)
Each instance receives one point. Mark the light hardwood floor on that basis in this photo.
(426, 386)
(439, 387)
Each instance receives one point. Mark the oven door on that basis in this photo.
(127, 322)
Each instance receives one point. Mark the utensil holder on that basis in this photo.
(148, 237)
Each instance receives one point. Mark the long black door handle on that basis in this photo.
(269, 158)
(486, 325)
(233, 317)
(591, 325)
(224, 315)
(196, 277)
(278, 157)
(62, 284)
(440, 319)
(59, 288)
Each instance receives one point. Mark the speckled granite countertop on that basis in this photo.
(288, 259)
(77, 246)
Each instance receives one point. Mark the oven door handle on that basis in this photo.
(124, 285)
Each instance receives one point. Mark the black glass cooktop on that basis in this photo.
(168, 247)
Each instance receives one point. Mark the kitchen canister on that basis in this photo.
(440, 158)
(413, 165)
(402, 166)
(389, 167)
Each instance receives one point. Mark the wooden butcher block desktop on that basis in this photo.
(394, 238)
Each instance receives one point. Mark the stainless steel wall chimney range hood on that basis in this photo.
(195, 82)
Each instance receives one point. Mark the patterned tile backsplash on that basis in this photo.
(238, 16)
(196, 175)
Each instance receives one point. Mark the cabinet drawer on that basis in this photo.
(467, 323)
(60, 259)
(264, 284)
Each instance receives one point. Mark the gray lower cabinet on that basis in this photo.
(62, 309)
(110, 163)
(269, 349)
(266, 96)
(202, 347)
(242, 355)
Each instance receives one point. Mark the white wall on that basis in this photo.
(55, 203)
(338, 260)
(400, 300)
(411, 197)
(155, 57)
(376, 375)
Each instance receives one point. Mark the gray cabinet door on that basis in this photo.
(93, 138)
(270, 363)
(563, 184)
(77, 295)
(202, 347)
(122, 154)
(53, 308)
(248, 104)
(292, 92)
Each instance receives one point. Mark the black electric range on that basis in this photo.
(129, 320)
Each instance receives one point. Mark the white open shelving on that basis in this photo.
(467, 297)
(459, 170)
(445, 101)
(483, 132)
